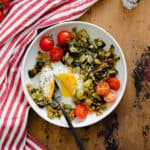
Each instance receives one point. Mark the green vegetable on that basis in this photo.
(32, 73)
(91, 60)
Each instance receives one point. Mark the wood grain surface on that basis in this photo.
(128, 127)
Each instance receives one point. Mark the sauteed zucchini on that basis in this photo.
(88, 58)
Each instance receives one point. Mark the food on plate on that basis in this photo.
(102, 88)
(114, 83)
(56, 54)
(68, 81)
(64, 37)
(81, 111)
(110, 97)
(46, 43)
(42, 59)
(82, 68)
(47, 83)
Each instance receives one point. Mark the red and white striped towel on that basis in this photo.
(17, 30)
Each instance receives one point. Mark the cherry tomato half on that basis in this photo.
(1, 16)
(102, 88)
(114, 83)
(46, 43)
(110, 97)
(56, 54)
(64, 37)
(81, 111)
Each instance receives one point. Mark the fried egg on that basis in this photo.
(47, 83)
(68, 81)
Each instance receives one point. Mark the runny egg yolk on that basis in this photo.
(68, 84)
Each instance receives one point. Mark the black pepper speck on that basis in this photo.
(141, 79)
(146, 132)
(108, 132)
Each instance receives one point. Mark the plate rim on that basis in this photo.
(108, 112)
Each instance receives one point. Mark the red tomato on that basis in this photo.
(114, 83)
(64, 37)
(1, 16)
(46, 43)
(56, 54)
(102, 88)
(81, 111)
(6, 3)
(110, 97)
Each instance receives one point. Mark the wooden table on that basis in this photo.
(128, 127)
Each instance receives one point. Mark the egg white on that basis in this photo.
(47, 82)
(59, 68)
(50, 74)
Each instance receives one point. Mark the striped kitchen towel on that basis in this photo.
(17, 30)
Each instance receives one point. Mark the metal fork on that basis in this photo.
(57, 98)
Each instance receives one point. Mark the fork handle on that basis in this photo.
(76, 137)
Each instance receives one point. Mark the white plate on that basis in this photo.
(94, 32)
